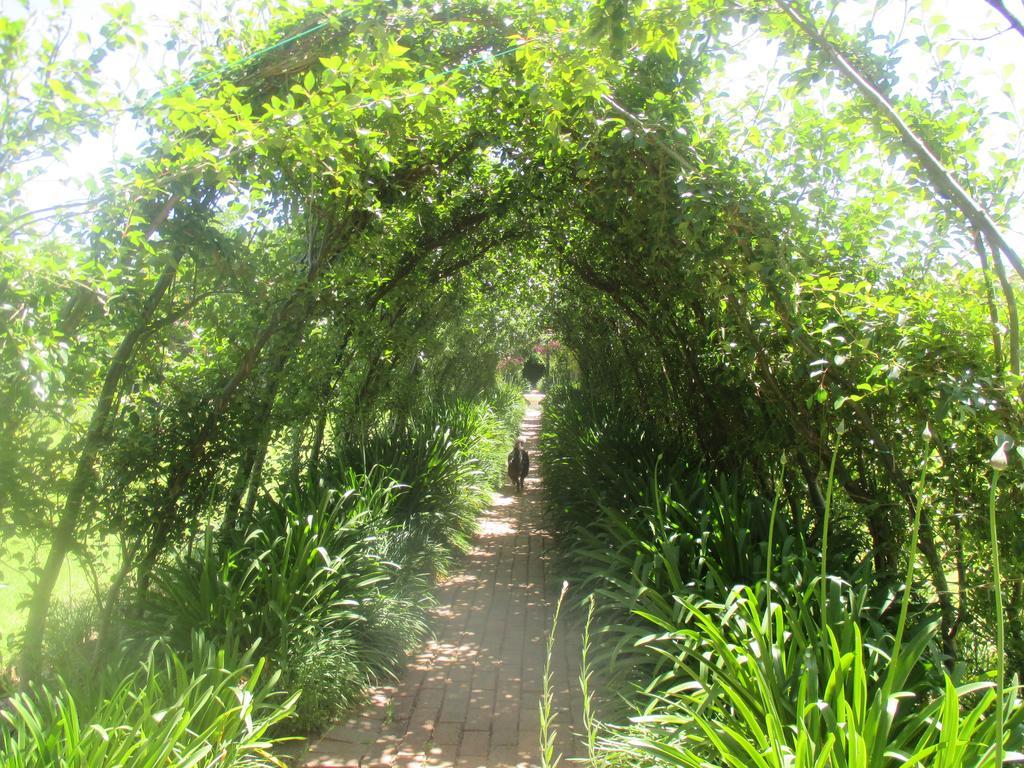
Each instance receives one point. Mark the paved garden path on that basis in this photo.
(470, 698)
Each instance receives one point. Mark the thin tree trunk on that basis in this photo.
(318, 441)
(815, 498)
(796, 507)
(256, 478)
(961, 577)
(64, 535)
(295, 455)
(266, 435)
(947, 611)
(251, 469)
(990, 298)
(106, 621)
(238, 486)
(1011, 311)
(1015, 23)
(313, 467)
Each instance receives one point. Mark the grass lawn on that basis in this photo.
(18, 559)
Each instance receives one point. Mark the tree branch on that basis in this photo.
(940, 176)
(1000, 7)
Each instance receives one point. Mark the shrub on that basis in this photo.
(755, 681)
(306, 582)
(507, 402)
(209, 707)
(329, 674)
(596, 456)
(70, 644)
(741, 649)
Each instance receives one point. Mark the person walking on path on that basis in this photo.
(518, 464)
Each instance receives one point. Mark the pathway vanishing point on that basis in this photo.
(471, 698)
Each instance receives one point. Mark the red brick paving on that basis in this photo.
(470, 698)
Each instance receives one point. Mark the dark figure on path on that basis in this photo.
(518, 465)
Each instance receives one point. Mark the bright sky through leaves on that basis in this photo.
(970, 35)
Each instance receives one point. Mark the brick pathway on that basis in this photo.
(470, 698)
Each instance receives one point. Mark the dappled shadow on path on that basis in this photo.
(470, 698)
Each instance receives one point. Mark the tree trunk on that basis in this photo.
(64, 535)
(238, 487)
(318, 441)
(295, 455)
(313, 468)
(1011, 311)
(255, 478)
(990, 299)
(884, 546)
(265, 436)
(947, 611)
(1000, 7)
(106, 621)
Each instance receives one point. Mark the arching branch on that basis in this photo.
(1001, 8)
(940, 177)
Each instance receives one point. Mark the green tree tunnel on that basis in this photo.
(355, 210)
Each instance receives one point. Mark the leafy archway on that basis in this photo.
(360, 207)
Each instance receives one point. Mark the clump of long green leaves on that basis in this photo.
(655, 527)
(311, 581)
(332, 579)
(754, 682)
(596, 456)
(798, 669)
(506, 401)
(206, 708)
(443, 464)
